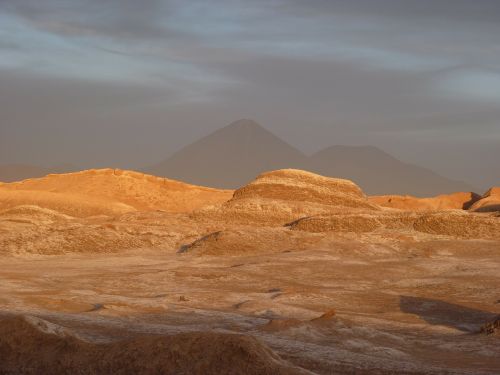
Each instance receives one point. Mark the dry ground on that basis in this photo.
(302, 264)
(414, 308)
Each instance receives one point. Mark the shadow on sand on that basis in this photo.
(475, 197)
(489, 208)
(438, 312)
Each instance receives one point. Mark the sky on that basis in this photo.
(125, 83)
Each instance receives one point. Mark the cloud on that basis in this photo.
(379, 34)
(479, 85)
(365, 71)
(87, 18)
(410, 10)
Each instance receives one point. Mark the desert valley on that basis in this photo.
(113, 271)
(217, 187)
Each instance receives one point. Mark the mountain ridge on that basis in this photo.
(233, 155)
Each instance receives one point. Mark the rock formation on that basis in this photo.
(31, 345)
(489, 202)
(250, 241)
(281, 196)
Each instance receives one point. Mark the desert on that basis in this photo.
(112, 271)
(217, 187)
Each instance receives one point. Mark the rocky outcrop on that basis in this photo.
(459, 224)
(278, 197)
(491, 328)
(453, 223)
(359, 223)
(31, 345)
(35, 230)
(251, 241)
(489, 202)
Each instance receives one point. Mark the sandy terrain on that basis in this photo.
(295, 273)
(455, 201)
(489, 202)
(108, 192)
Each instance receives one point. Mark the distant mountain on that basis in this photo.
(230, 157)
(18, 172)
(377, 172)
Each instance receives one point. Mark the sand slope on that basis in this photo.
(454, 201)
(108, 191)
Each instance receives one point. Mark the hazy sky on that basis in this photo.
(126, 82)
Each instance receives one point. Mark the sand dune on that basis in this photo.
(489, 202)
(108, 191)
(454, 201)
(30, 345)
